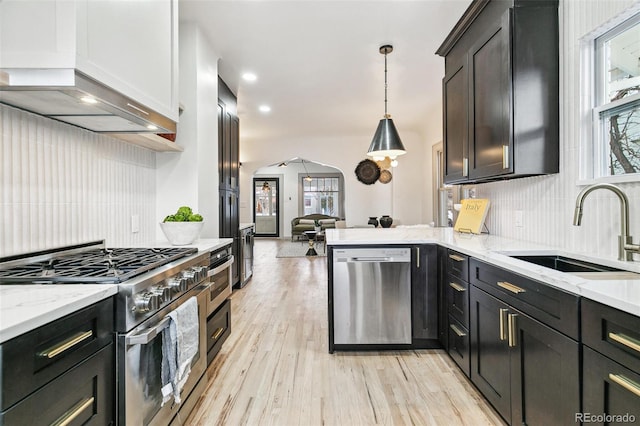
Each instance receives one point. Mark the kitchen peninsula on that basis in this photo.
(516, 329)
(623, 294)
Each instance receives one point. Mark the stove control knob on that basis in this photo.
(178, 284)
(146, 302)
(200, 272)
(188, 276)
(163, 293)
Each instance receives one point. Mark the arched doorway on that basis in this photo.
(294, 188)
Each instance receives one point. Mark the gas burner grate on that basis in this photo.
(113, 265)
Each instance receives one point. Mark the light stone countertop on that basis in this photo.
(28, 306)
(246, 225)
(623, 294)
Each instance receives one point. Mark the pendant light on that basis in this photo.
(308, 178)
(386, 142)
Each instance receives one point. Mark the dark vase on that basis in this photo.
(373, 221)
(386, 221)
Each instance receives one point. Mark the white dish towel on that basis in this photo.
(179, 346)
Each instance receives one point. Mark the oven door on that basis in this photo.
(220, 284)
(140, 365)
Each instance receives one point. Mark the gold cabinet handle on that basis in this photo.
(456, 257)
(67, 344)
(505, 156)
(503, 321)
(73, 412)
(513, 335)
(457, 330)
(217, 334)
(457, 287)
(625, 340)
(626, 383)
(511, 287)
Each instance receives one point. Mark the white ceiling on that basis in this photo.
(318, 63)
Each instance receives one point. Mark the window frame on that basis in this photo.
(301, 191)
(594, 150)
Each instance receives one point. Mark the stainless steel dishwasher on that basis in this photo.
(371, 296)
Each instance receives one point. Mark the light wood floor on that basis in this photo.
(275, 368)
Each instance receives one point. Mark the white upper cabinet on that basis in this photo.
(128, 45)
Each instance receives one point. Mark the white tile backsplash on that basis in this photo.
(548, 201)
(62, 185)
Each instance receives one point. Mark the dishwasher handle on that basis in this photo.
(366, 259)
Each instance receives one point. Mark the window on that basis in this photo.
(322, 194)
(616, 109)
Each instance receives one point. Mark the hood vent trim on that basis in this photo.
(57, 94)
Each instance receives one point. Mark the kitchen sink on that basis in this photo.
(565, 264)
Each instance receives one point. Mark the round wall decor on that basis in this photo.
(367, 172)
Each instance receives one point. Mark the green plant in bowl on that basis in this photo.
(182, 227)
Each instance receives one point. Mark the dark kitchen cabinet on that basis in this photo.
(500, 92)
(424, 294)
(443, 322)
(526, 369)
(611, 363)
(455, 125)
(61, 371)
(228, 171)
(456, 306)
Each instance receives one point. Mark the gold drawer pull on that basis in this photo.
(626, 383)
(67, 344)
(513, 332)
(457, 330)
(503, 323)
(457, 287)
(625, 340)
(456, 257)
(73, 412)
(217, 334)
(511, 287)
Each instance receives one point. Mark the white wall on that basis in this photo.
(548, 202)
(61, 185)
(402, 198)
(191, 177)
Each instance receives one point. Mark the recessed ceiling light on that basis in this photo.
(249, 76)
(89, 100)
(264, 108)
(152, 127)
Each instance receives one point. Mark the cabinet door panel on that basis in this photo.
(456, 151)
(490, 370)
(545, 387)
(424, 293)
(490, 103)
(602, 395)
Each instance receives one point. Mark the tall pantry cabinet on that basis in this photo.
(228, 171)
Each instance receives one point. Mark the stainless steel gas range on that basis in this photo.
(152, 283)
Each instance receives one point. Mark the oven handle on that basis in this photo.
(222, 267)
(149, 334)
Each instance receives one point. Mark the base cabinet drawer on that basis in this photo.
(611, 392)
(33, 359)
(459, 345)
(83, 395)
(218, 329)
(613, 333)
